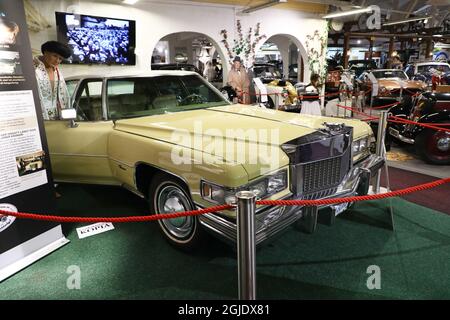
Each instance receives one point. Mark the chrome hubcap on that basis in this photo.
(443, 144)
(171, 199)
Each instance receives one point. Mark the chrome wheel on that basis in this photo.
(172, 199)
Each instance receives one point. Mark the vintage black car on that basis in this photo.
(430, 108)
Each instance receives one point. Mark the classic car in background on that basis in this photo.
(392, 85)
(426, 70)
(431, 108)
(281, 93)
(360, 66)
(153, 134)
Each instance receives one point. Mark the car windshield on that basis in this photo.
(433, 68)
(390, 74)
(144, 96)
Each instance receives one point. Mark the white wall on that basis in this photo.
(156, 20)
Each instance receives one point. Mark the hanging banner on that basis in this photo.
(25, 176)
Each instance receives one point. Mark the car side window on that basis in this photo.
(88, 101)
(130, 97)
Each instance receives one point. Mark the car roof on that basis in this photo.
(377, 70)
(432, 63)
(154, 73)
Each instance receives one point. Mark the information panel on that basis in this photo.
(25, 175)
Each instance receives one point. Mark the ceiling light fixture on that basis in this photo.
(130, 1)
(263, 5)
(405, 21)
(346, 13)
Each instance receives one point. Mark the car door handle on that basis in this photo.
(122, 167)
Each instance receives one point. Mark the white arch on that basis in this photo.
(218, 47)
(300, 46)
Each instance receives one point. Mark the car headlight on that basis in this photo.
(360, 148)
(263, 188)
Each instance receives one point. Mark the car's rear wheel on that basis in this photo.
(434, 146)
(168, 195)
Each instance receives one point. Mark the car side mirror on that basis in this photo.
(71, 115)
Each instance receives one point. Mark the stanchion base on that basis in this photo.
(327, 216)
(308, 222)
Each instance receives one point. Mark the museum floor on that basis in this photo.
(134, 261)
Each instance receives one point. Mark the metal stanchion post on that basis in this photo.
(382, 124)
(345, 109)
(246, 203)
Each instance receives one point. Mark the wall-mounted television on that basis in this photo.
(97, 40)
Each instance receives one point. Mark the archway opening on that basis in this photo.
(191, 51)
(285, 53)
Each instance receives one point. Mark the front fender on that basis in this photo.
(430, 118)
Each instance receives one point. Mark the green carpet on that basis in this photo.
(134, 261)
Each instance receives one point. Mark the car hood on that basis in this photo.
(252, 130)
(399, 83)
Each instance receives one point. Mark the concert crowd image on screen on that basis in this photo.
(97, 40)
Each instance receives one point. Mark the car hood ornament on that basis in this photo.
(332, 128)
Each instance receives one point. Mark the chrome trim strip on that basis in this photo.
(163, 170)
(121, 162)
(80, 155)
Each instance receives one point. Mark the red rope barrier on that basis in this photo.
(319, 202)
(61, 219)
(386, 106)
(401, 120)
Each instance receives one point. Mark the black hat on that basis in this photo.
(237, 58)
(57, 47)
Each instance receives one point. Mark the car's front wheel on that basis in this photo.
(168, 195)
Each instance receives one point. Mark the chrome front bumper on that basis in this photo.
(271, 220)
(396, 134)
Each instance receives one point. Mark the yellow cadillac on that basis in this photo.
(173, 139)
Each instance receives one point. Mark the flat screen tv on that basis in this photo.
(97, 40)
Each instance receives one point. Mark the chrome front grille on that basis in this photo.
(321, 175)
(320, 194)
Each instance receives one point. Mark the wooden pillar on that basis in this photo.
(391, 50)
(370, 48)
(346, 48)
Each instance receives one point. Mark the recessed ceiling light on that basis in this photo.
(129, 1)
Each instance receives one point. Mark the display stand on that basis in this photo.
(26, 183)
